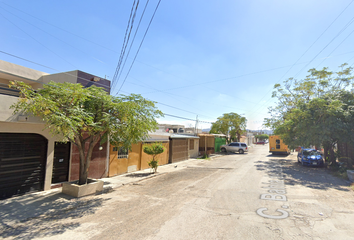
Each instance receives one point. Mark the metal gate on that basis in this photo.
(61, 162)
(22, 163)
(219, 142)
(178, 150)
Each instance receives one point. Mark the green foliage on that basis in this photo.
(153, 164)
(231, 124)
(81, 115)
(154, 149)
(317, 110)
(262, 136)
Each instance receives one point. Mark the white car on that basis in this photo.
(235, 147)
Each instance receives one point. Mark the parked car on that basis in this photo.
(260, 142)
(235, 147)
(310, 157)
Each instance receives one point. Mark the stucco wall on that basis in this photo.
(6, 113)
(20, 71)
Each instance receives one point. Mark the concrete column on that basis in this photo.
(49, 165)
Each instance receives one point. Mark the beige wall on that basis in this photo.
(18, 71)
(70, 77)
(194, 152)
(8, 127)
(6, 113)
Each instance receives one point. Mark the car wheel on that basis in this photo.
(241, 151)
(223, 150)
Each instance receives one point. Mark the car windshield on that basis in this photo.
(310, 153)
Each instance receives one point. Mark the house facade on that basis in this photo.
(32, 159)
(130, 160)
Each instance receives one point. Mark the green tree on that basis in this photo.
(262, 136)
(313, 111)
(154, 149)
(230, 124)
(86, 116)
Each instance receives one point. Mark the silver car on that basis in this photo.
(235, 147)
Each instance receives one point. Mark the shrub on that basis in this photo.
(153, 149)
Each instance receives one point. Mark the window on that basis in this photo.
(235, 144)
(122, 152)
(277, 141)
(191, 144)
(243, 145)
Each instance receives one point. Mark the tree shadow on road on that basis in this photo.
(39, 215)
(296, 174)
(138, 175)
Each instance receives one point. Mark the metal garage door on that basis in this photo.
(22, 163)
(178, 150)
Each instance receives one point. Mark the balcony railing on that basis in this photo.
(5, 90)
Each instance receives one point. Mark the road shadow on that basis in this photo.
(38, 215)
(277, 156)
(138, 175)
(232, 153)
(296, 174)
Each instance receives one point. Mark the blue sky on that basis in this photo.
(202, 58)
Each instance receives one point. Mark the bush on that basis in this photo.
(153, 149)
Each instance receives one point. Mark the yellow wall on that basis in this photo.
(162, 158)
(137, 159)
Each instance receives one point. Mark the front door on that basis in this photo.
(61, 162)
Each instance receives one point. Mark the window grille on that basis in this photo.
(122, 152)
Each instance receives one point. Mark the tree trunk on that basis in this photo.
(83, 176)
(85, 159)
(332, 156)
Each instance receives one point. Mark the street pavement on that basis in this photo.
(232, 196)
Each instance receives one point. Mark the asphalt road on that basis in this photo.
(236, 196)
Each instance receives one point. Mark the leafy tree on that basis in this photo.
(86, 116)
(154, 149)
(230, 124)
(262, 136)
(315, 110)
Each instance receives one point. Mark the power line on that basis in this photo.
(337, 45)
(183, 97)
(189, 119)
(126, 40)
(51, 35)
(131, 44)
(139, 46)
(37, 40)
(307, 51)
(86, 79)
(66, 73)
(61, 28)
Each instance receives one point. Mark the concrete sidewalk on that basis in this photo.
(52, 203)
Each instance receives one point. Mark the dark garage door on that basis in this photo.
(22, 163)
(178, 150)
